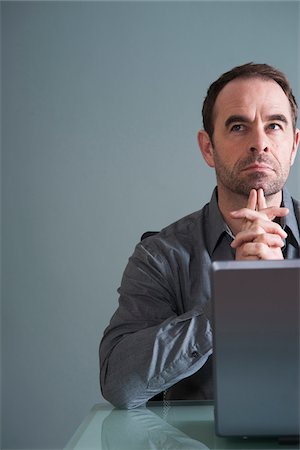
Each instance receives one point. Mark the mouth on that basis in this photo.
(258, 167)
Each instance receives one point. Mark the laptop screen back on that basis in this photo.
(256, 347)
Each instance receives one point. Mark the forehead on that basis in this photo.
(251, 96)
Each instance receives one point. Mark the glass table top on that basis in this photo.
(177, 425)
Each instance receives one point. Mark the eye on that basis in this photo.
(237, 128)
(274, 126)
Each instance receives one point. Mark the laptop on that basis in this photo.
(256, 348)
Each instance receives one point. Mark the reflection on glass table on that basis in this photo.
(173, 426)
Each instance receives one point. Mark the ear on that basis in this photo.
(206, 148)
(295, 146)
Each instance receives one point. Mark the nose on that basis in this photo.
(259, 141)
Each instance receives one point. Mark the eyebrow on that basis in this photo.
(278, 118)
(235, 119)
(245, 119)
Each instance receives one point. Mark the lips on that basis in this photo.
(258, 167)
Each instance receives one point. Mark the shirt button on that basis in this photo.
(195, 354)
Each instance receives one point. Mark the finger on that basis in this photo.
(252, 199)
(272, 240)
(250, 251)
(257, 231)
(268, 226)
(260, 251)
(274, 211)
(242, 256)
(269, 213)
(261, 201)
(244, 237)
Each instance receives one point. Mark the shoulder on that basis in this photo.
(296, 204)
(180, 235)
(185, 225)
(293, 204)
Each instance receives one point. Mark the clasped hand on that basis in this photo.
(260, 237)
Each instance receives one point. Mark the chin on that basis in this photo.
(245, 188)
(270, 187)
(272, 191)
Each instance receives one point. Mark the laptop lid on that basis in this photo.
(256, 347)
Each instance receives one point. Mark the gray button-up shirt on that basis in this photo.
(160, 336)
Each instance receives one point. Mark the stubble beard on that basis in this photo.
(241, 183)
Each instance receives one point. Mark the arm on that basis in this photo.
(151, 342)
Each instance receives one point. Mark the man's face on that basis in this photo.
(254, 144)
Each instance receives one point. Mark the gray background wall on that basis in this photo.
(101, 104)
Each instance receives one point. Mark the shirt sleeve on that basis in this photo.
(150, 343)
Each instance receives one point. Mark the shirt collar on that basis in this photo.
(290, 220)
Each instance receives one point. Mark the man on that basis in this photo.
(160, 337)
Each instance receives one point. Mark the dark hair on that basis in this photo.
(249, 70)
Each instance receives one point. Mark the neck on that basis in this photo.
(229, 201)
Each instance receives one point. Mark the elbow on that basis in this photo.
(120, 395)
(120, 399)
